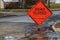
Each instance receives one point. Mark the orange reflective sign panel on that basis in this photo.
(39, 13)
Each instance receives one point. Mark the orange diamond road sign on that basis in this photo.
(39, 13)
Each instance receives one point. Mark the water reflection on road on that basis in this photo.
(30, 24)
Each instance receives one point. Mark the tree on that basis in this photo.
(48, 3)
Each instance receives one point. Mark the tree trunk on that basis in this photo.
(20, 3)
(48, 3)
(24, 3)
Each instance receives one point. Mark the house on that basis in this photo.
(1, 4)
(55, 1)
(11, 4)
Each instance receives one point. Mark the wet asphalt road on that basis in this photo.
(16, 19)
(24, 18)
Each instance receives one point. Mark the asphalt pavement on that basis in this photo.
(24, 18)
(16, 25)
(17, 19)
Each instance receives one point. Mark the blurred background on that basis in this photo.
(27, 4)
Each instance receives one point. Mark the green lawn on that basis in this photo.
(54, 6)
(13, 10)
(1, 14)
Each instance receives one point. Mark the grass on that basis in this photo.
(13, 10)
(1, 14)
(55, 6)
(6, 15)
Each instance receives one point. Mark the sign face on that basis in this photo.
(39, 13)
